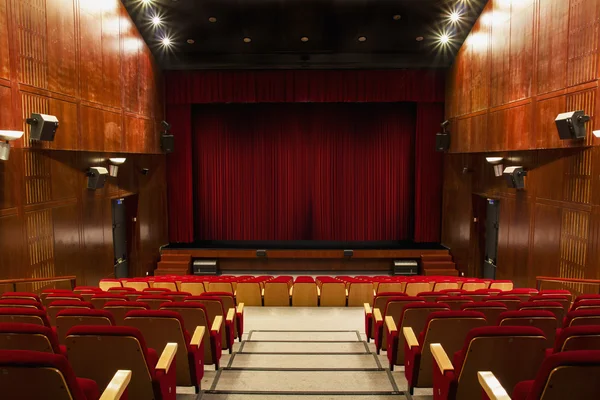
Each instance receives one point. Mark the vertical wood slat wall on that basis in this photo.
(523, 63)
(85, 62)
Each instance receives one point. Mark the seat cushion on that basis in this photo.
(89, 388)
(522, 389)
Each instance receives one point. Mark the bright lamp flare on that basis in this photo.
(156, 20)
(166, 41)
(444, 38)
(454, 16)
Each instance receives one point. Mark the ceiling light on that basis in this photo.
(454, 16)
(362, 39)
(166, 41)
(596, 133)
(397, 17)
(117, 160)
(247, 40)
(191, 41)
(419, 38)
(444, 38)
(156, 21)
(212, 19)
(146, 2)
(304, 39)
(494, 160)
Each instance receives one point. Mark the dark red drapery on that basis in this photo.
(304, 171)
(185, 88)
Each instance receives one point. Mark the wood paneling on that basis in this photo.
(69, 58)
(541, 55)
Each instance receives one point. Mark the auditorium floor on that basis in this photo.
(303, 354)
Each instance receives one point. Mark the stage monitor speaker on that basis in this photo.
(348, 253)
(571, 125)
(442, 142)
(515, 177)
(43, 127)
(405, 267)
(97, 177)
(261, 253)
(167, 143)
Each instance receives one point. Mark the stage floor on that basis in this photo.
(304, 245)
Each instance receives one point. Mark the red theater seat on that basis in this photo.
(567, 375)
(154, 301)
(118, 309)
(585, 337)
(106, 284)
(379, 302)
(586, 305)
(504, 285)
(490, 309)
(523, 294)
(455, 302)
(53, 377)
(119, 347)
(512, 303)
(136, 284)
(228, 302)
(20, 295)
(52, 297)
(24, 316)
(582, 317)
(513, 353)
(70, 317)
(563, 299)
(57, 306)
(20, 303)
(541, 319)
(163, 327)
(17, 336)
(393, 308)
(556, 308)
(101, 299)
(214, 307)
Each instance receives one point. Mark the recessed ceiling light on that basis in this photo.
(397, 17)
(247, 40)
(444, 38)
(362, 38)
(212, 19)
(166, 41)
(420, 38)
(191, 41)
(156, 21)
(146, 1)
(454, 16)
(304, 39)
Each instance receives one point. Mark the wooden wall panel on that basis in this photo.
(74, 59)
(521, 50)
(499, 51)
(582, 65)
(479, 41)
(552, 45)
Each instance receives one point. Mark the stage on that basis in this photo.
(291, 257)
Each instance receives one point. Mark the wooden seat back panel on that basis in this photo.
(305, 295)
(546, 325)
(64, 323)
(220, 287)
(137, 285)
(391, 287)
(579, 321)
(193, 317)
(22, 319)
(24, 341)
(49, 383)
(415, 318)
(118, 313)
(333, 294)
(414, 288)
(249, 293)
(359, 294)
(277, 294)
(584, 342)
(572, 382)
(195, 288)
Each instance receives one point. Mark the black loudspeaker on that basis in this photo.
(571, 125)
(43, 127)
(442, 141)
(261, 253)
(348, 253)
(515, 177)
(97, 177)
(167, 143)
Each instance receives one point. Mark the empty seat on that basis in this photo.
(445, 285)
(106, 284)
(582, 317)
(163, 327)
(51, 297)
(195, 288)
(304, 292)
(503, 285)
(414, 316)
(218, 286)
(563, 299)
(332, 292)
(178, 296)
(513, 353)
(455, 302)
(53, 378)
(101, 299)
(277, 292)
(156, 291)
(118, 309)
(68, 318)
(121, 290)
(249, 292)
(164, 284)
(359, 293)
(25, 316)
(87, 294)
(393, 308)
(16, 336)
(474, 285)
(446, 327)
(56, 306)
(523, 294)
(490, 309)
(429, 296)
(585, 337)
(512, 303)
(391, 287)
(193, 315)
(379, 302)
(556, 292)
(137, 284)
(566, 375)
(541, 319)
(120, 347)
(20, 303)
(414, 288)
(20, 295)
(586, 305)
(154, 301)
(587, 297)
(556, 308)
(479, 295)
(214, 307)
(452, 292)
(228, 302)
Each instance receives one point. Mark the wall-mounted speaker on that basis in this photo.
(43, 127)
(442, 142)
(515, 177)
(571, 125)
(167, 143)
(97, 177)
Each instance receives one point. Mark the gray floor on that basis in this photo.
(297, 353)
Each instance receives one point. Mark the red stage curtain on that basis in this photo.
(317, 86)
(304, 171)
(179, 175)
(428, 174)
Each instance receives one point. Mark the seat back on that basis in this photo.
(439, 286)
(118, 309)
(194, 314)
(360, 293)
(248, 293)
(490, 309)
(51, 374)
(179, 296)
(24, 316)
(304, 294)
(21, 303)
(477, 296)
(502, 285)
(214, 308)
(429, 296)
(415, 316)
(160, 328)
(563, 299)
(100, 300)
(277, 293)
(106, 284)
(578, 338)
(455, 302)
(20, 296)
(568, 375)
(171, 285)
(391, 287)
(582, 317)
(68, 318)
(333, 293)
(586, 305)
(414, 288)
(52, 297)
(540, 319)
(394, 308)
(512, 303)
(154, 301)
(57, 306)
(137, 285)
(220, 287)
(556, 308)
(522, 294)
(514, 354)
(449, 328)
(16, 336)
(472, 286)
(195, 288)
(96, 352)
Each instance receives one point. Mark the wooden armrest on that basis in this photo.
(318, 291)
(291, 290)
(197, 336)
(218, 321)
(230, 315)
(262, 292)
(367, 308)
(390, 324)
(377, 315)
(117, 385)
(492, 387)
(346, 292)
(441, 358)
(240, 308)
(167, 357)
(409, 337)
(374, 292)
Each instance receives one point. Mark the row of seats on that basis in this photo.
(304, 291)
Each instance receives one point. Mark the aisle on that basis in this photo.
(307, 354)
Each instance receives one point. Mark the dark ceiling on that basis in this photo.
(389, 31)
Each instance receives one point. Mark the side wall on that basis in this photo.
(523, 63)
(85, 62)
